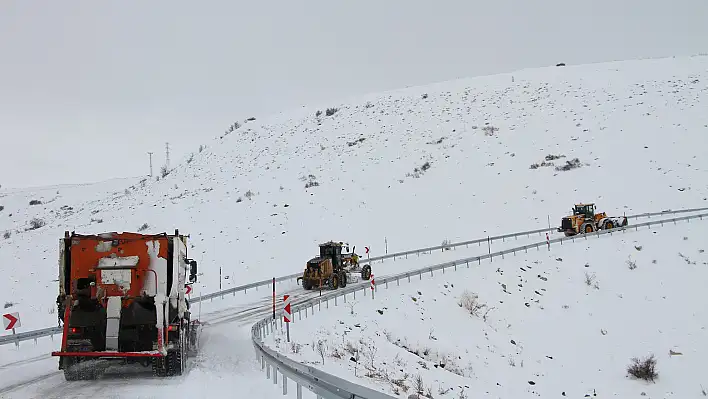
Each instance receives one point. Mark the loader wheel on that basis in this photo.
(334, 282)
(306, 284)
(588, 228)
(366, 272)
(609, 225)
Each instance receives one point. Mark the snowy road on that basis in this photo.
(226, 360)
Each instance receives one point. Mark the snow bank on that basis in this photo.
(559, 323)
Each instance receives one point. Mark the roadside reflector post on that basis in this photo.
(287, 315)
(373, 284)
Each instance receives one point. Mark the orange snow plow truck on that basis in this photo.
(122, 298)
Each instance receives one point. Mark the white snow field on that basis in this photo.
(638, 129)
(392, 171)
(548, 324)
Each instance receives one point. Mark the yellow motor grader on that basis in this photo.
(332, 268)
(584, 220)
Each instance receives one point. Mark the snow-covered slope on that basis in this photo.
(407, 169)
(551, 324)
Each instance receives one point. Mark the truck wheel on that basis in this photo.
(159, 366)
(334, 282)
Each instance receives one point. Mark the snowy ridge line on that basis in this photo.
(51, 331)
(324, 384)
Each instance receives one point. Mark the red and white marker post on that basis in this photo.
(287, 314)
(548, 242)
(12, 321)
(373, 283)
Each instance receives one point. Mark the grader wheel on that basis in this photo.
(334, 282)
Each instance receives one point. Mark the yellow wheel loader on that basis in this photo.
(584, 220)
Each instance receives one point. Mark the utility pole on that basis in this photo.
(150, 153)
(167, 155)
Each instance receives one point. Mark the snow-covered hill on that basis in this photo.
(550, 324)
(405, 169)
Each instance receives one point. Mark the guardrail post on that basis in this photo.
(268, 371)
(275, 375)
(431, 272)
(298, 388)
(285, 385)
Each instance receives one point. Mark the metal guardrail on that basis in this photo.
(328, 386)
(51, 331)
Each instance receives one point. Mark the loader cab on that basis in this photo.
(587, 210)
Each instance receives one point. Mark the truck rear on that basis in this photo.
(122, 297)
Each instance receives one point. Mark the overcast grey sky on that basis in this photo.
(88, 87)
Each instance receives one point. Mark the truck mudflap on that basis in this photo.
(109, 354)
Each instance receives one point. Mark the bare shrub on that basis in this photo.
(631, 264)
(489, 130)
(201, 148)
(470, 302)
(589, 279)
(249, 194)
(446, 245)
(295, 347)
(418, 384)
(644, 369)
(37, 223)
(8, 305)
(164, 171)
(6, 235)
(144, 227)
(552, 157)
(35, 202)
(331, 111)
(321, 349)
(569, 165)
(2, 208)
(191, 158)
(311, 181)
